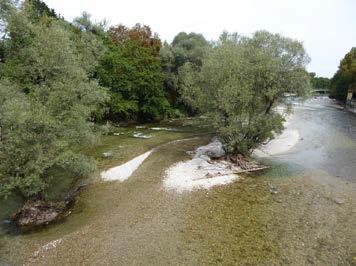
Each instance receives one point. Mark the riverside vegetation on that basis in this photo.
(63, 83)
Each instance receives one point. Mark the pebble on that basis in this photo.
(107, 154)
(339, 200)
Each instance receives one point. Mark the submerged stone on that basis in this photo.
(140, 135)
(108, 154)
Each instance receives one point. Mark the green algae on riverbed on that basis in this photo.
(123, 147)
(307, 218)
(137, 222)
(96, 200)
(245, 224)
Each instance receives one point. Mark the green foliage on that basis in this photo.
(240, 82)
(84, 24)
(2, 51)
(188, 48)
(319, 82)
(131, 69)
(37, 9)
(185, 48)
(47, 101)
(345, 77)
(52, 75)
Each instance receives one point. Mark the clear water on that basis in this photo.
(309, 221)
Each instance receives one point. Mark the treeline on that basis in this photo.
(345, 77)
(319, 82)
(343, 80)
(60, 81)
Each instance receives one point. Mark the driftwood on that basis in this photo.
(242, 164)
(36, 213)
(236, 164)
(251, 170)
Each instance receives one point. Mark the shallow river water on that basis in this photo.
(300, 211)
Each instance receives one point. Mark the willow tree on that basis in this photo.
(241, 81)
(47, 99)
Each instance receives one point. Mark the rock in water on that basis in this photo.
(36, 213)
(214, 150)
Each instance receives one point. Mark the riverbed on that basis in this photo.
(300, 211)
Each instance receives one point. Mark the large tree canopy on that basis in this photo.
(240, 82)
(131, 69)
(184, 48)
(47, 100)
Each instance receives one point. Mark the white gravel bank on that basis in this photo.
(124, 171)
(200, 172)
(281, 143)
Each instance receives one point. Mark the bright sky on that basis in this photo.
(326, 27)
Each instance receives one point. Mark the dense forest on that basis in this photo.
(63, 82)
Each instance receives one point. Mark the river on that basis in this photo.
(300, 211)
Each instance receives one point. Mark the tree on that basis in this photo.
(345, 77)
(131, 69)
(189, 48)
(47, 102)
(241, 81)
(185, 48)
(38, 9)
(84, 24)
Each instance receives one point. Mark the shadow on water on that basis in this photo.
(7, 208)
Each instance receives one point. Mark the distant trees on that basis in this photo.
(131, 69)
(47, 99)
(319, 82)
(185, 48)
(345, 77)
(239, 83)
